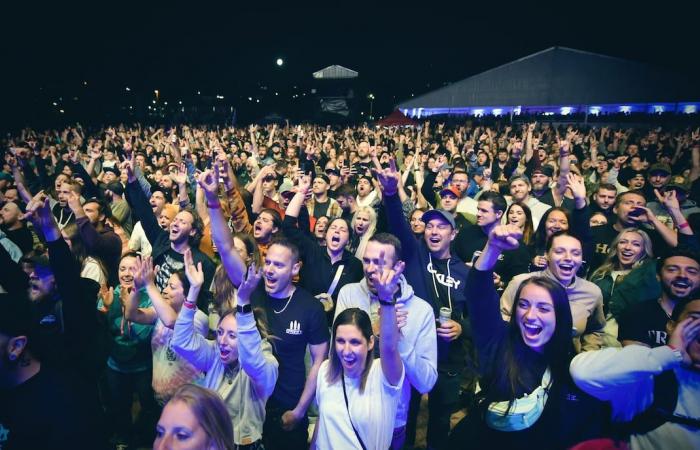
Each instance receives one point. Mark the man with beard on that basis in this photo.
(645, 323)
(603, 200)
(321, 204)
(345, 196)
(366, 195)
(438, 277)
(658, 177)
(169, 246)
(15, 228)
(61, 211)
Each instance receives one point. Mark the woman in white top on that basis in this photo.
(169, 370)
(239, 365)
(358, 396)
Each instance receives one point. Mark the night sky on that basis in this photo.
(180, 49)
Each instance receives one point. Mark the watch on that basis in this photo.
(245, 309)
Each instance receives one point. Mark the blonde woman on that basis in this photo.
(364, 224)
(629, 250)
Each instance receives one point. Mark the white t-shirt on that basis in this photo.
(373, 411)
(139, 242)
(92, 270)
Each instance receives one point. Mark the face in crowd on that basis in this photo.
(556, 221)
(337, 235)
(564, 258)
(264, 227)
(460, 180)
(417, 224)
(438, 235)
(679, 276)
(630, 249)
(627, 204)
(486, 215)
(516, 216)
(535, 316)
(519, 190)
(182, 227)
(280, 267)
(605, 198)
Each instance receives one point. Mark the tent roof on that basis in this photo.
(561, 76)
(396, 118)
(335, 72)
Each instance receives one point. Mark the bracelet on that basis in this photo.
(683, 225)
(217, 206)
(189, 305)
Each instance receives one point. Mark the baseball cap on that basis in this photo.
(660, 167)
(545, 170)
(451, 189)
(114, 170)
(116, 188)
(286, 188)
(439, 213)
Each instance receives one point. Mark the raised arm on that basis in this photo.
(386, 280)
(389, 179)
(144, 278)
(255, 357)
(220, 233)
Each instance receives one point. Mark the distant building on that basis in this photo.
(335, 88)
(562, 81)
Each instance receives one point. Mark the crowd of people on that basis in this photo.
(294, 287)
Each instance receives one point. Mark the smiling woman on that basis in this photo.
(524, 362)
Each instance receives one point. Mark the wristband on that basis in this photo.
(676, 352)
(683, 225)
(189, 305)
(386, 303)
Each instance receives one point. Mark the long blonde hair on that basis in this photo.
(364, 239)
(612, 262)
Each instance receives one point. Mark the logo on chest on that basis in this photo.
(294, 328)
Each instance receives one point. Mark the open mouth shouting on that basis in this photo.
(681, 287)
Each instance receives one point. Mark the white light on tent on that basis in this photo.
(566, 110)
(658, 109)
(478, 112)
(497, 111)
(625, 109)
(517, 110)
(595, 110)
(690, 109)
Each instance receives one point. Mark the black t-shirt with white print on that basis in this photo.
(294, 324)
(644, 322)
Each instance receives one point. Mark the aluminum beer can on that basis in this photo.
(445, 315)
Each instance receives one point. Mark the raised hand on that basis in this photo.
(143, 272)
(209, 180)
(684, 334)
(73, 201)
(194, 274)
(577, 186)
(386, 279)
(389, 178)
(179, 177)
(249, 284)
(304, 184)
(668, 199)
(505, 237)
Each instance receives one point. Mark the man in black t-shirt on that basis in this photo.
(645, 322)
(296, 320)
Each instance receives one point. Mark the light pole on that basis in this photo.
(371, 103)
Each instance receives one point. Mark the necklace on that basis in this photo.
(285, 305)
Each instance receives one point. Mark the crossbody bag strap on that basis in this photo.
(347, 406)
(336, 279)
